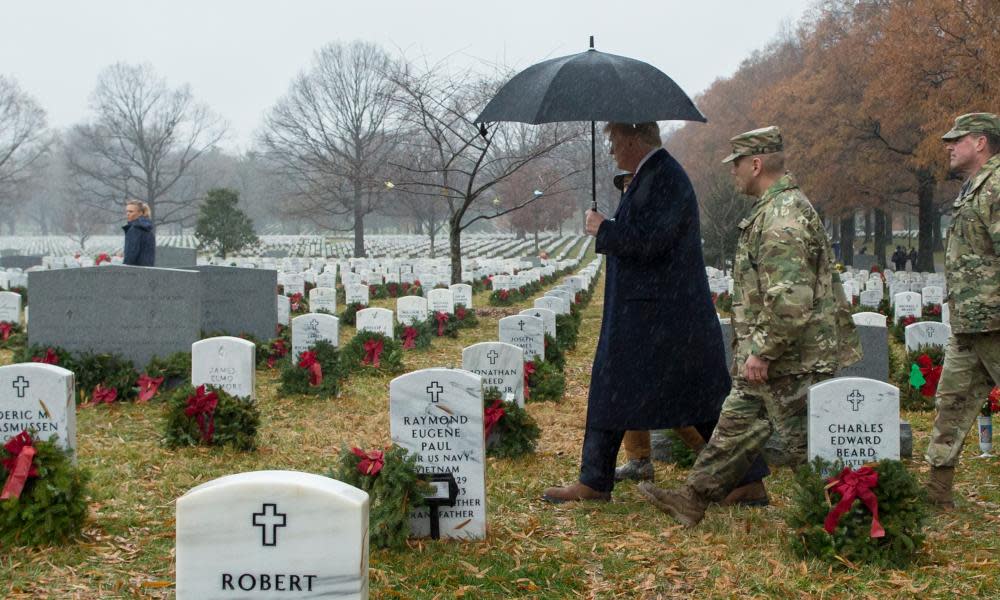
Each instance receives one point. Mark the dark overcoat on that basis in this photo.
(660, 360)
(140, 243)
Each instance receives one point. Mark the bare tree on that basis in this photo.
(24, 141)
(331, 136)
(466, 160)
(143, 140)
(722, 209)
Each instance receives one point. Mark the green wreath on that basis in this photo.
(15, 337)
(910, 397)
(107, 370)
(466, 317)
(424, 336)
(567, 330)
(901, 511)
(393, 490)
(175, 369)
(349, 315)
(554, 353)
(353, 355)
(546, 384)
(52, 507)
(296, 379)
(515, 434)
(451, 326)
(234, 421)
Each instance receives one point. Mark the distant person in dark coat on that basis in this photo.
(899, 258)
(660, 361)
(140, 241)
(913, 259)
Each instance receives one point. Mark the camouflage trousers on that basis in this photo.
(971, 369)
(750, 414)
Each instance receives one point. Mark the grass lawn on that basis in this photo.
(625, 549)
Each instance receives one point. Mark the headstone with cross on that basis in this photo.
(526, 332)
(226, 363)
(854, 420)
(272, 534)
(547, 316)
(500, 365)
(39, 397)
(437, 414)
(926, 334)
(310, 328)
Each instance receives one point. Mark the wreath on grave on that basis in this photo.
(898, 330)
(11, 336)
(918, 379)
(723, 302)
(175, 370)
(317, 372)
(414, 289)
(481, 285)
(567, 330)
(416, 336)
(554, 353)
(208, 416)
(297, 304)
(543, 382)
(49, 355)
(44, 499)
(394, 488)
(103, 378)
(271, 352)
(372, 352)
(22, 291)
(874, 515)
(505, 297)
(509, 430)
(444, 324)
(932, 312)
(466, 317)
(349, 316)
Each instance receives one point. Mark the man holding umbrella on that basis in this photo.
(660, 361)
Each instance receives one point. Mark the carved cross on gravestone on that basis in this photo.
(521, 324)
(493, 355)
(20, 384)
(435, 390)
(855, 398)
(269, 519)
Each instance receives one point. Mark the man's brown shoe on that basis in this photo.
(574, 493)
(751, 494)
(939, 487)
(682, 503)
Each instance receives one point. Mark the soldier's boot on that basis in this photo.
(751, 494)
(939, 487)
(638, 469)
(683, 503)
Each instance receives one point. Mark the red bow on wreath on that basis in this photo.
(504, 294)
(103, 257)
(148, 386)
(308, 361)
(492, 416)
(994, 399)
(907, 321)
(442, 319)
(20, 465)
(373, 350)
(201, 406)
(294, 300)
(931, 373)
(5, 330)
(371, 462)
(409, 337)
(103, 395)
(50, 358)
(854, 485)
(460, 313)
(529, 370)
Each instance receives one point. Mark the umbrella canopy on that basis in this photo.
(590, 86)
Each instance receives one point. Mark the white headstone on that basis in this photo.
(556, 305)
(907, 304)
(854, 420)
(870, 298)
(272, 534)
(294, 284)
(438, 414)
(410, 309)
(228, 363)
(323, 298)
(10, 307)
(461, 294)
(284, 310)
(40, 397)
(376, 320)
(311, 328)
(500, 365)
(356, 294)
(525, 332)
(440, 300)
(926, 333)
(547, 316)
(932, 294)
(872, 319)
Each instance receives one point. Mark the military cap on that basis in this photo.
(759, 141)
(974, 123)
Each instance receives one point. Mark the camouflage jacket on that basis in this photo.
(972, 260)
(788, 304)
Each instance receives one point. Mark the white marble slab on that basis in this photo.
(10, 307)
(323, 298)
(926, 333)
(461, 294)
(311, 328)
(227, 363)
(500, 365)
(356, 294)
(40, 397)
(376, 320)
(854, 420)
(410, 309)
(441, 300)
(525, 332)
(547, 316)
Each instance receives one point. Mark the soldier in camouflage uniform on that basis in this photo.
(972, 267)
(792, 322)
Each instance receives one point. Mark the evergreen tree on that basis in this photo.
(222, 227)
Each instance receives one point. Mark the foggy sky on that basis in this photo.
(240, 56)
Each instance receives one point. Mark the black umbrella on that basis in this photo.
(590, 86)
